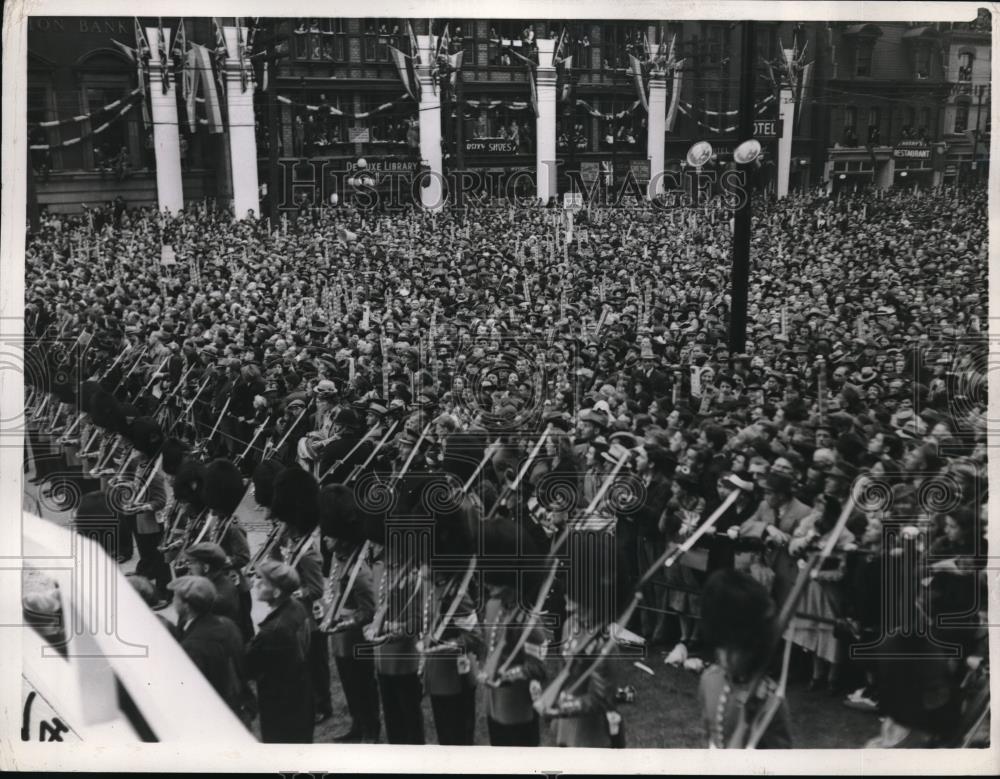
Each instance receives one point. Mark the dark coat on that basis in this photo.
(277, 659)
(215, 645)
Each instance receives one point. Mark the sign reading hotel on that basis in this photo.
(765, 128)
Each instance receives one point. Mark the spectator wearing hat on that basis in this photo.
(773, 523)
(147, 591)
(210, 560)
(680, 518)
(277, 658)
(654, 468)
(824, 595)
(213, 642)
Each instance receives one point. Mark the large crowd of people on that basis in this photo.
(535, 398)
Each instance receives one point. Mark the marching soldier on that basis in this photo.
(349, 605)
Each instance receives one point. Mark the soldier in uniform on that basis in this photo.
(514, 644)
(449, 636)
(396, 623)
(739, 623)
(278, 658)
(295, 502)
(188, 510)
(582, 700)
(145, 501)
(349, 605)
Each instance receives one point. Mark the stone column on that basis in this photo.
(432, 194)
(242, 138)
(166, 140)
(546, 171)
(656, 126)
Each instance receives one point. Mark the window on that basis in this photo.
(509, 36)
(767, 42)
(319, 40)
(922, 61)
(38, 111)
(874, 122)
(924, 125)
(863, 58)
(965, 60)
(850, 126)
(379, 35)
(615, 44)
(716, 41)
(961, 116)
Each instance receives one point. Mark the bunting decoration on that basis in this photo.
(221, 54)
(534, 91)
(190, 80)
(337, 112)
(241, 54)
(598, 115)
(132, 103)
(142, 55)
(89, 117)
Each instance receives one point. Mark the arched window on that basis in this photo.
(105, 76)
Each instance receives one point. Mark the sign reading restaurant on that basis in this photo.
(914, 150)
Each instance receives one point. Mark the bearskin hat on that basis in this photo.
(146, 435)
(738, 613)
(174, 451)
(263, 481)
(505, 545)
(338, 516)
(296, 499)
(189, 482)
(105, 410)
(224, 486)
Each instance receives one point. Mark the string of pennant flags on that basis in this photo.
(133, 101)
(88, 117)
(337, 112)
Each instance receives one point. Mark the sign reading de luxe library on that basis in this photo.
(913, 150)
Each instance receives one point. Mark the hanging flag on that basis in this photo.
(455, 63)
(141, 45)
(414, 47)
(190, 80)
(635, 68)
(161, 45)
(444, 42)
(402, 65)
(805, 82)
(221, 54)
(220, 38)
(675, 96)
(534, 91)
(213, 106)
(263, 85)
(179, 49)
(240, 53)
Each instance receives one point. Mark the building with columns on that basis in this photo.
(327, 109)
